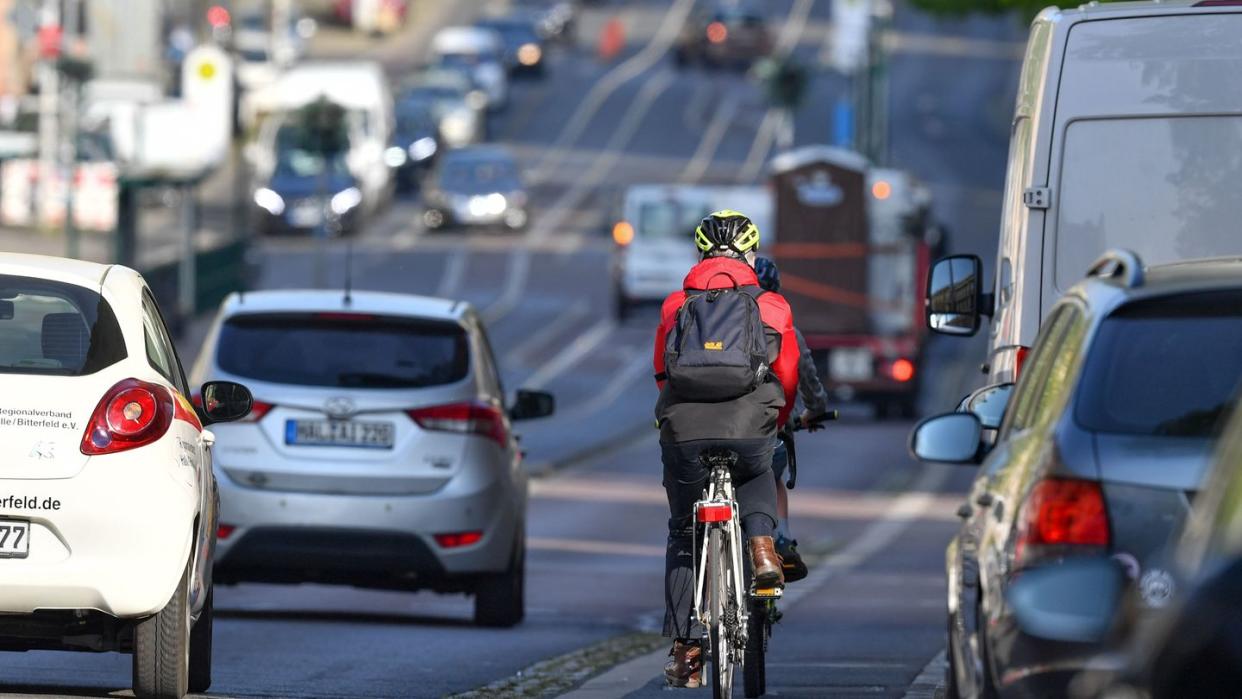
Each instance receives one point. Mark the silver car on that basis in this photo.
(379, 452)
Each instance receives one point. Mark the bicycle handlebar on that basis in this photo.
(786, 436)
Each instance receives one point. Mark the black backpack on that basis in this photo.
(717, 349)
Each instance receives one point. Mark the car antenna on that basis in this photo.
(349, 271)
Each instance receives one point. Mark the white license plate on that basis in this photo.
(853, 364)
(339, 433)
(14, 538)
(306, 215)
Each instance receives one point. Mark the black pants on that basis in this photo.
(684, 481)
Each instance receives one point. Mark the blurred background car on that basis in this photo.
(419, 419)
(553, 20)
(1104, 444)
(479, 51)
(523, 48)
(458, 105)
(730, 36)
(307, 192)
(476, 186)
(415, 139)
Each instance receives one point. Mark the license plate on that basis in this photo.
(853, 364)
(306, 215)
(14, 538)
(339, 433)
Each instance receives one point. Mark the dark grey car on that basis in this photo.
(1100, 451)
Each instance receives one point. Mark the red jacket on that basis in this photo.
(719, 273)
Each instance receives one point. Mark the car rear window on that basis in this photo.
(54, 328)
(1168, 368)
(343, 350)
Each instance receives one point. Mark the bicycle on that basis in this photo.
(736, 625)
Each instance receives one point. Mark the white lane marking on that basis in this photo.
(632, 67)
(930, 682)
(571, 354)
(519, 265)
(595, 547)
(454, 272)
(636, 369)
(576, 312)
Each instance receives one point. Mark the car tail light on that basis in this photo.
(901, 370)
(131, 414)
(224, 531)
(257, 411)
(1019, 361)
(717, 32)
(715, 512)
(467, 418)
(1062, 512)
(458, 539)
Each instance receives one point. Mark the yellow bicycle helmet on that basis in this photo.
(726, 232)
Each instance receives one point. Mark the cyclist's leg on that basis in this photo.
(780, 461)
(756, 497)
(684, 480)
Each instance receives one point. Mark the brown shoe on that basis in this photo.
(767, 565)
(686, 667)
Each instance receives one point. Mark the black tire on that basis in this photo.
(722, 666)
(200, 646)
(500, 600)
(162, 648)
(754, 668)
(951, 690)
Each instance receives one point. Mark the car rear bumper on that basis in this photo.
(370, 540)
(118, 543)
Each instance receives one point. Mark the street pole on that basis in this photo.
(49, 109)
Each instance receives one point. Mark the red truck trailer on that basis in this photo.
(849, 240)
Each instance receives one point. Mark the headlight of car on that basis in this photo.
(529, 54)
(269, 201)
(394, 156)
(423, 148)
(477, 100)
(345, 200)
(457, 128)
(487, 204)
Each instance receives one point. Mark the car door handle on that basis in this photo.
(984, 500)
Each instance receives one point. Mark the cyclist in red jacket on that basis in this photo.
(727, 242)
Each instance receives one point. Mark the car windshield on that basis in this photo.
(295, 162)
(475, 174)
(513, 33)
(55, 328)
(343, 350)
(668, 219)
(1164, 368)
(415, 115)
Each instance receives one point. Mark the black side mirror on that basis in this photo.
(955, 298)
(1071, 601)
(532, 404)
(225, 401)
(952, 438)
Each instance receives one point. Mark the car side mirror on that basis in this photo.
(955, 298)
(225, 401)
(1073, 601)
(989, 404)
(952, 438)
(532, 404)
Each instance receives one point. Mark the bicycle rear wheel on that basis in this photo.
(754, 668)
(721, 602)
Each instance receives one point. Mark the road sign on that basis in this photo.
(207, 86)
(851, 34)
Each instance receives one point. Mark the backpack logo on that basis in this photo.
(717, 346)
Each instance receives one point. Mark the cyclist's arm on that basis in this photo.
(779, 317)
(668, 312)
(810, 388)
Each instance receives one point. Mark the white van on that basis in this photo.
(1127, 134)
(358, 86)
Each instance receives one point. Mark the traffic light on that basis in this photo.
(784, 81)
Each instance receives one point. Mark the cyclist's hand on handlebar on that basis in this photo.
(814, 422)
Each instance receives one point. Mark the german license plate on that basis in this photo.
(14, 538)
(306, 215)
(850, 364)
(339, 433)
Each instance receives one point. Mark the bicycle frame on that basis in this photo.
(718, 495)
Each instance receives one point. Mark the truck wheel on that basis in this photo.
(200, 647)
(500, 600)
(162, 648)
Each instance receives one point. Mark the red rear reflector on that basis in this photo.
(1063, 512)
(224, 531)
(131, 414)
(468, 418)
(902, 370)
(715, 512)
(457, 539)
(1019, 361)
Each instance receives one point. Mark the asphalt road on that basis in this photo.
(870, 618)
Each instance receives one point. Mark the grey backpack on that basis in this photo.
(717, 349)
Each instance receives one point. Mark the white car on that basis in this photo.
(380, 452)
(108, 512)
(482, 52)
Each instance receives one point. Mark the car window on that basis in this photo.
(1167, 368)
(55, 328)
(326, 349)
(160, 352)
(1031, 385)
(490, 370)
(667, 219)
